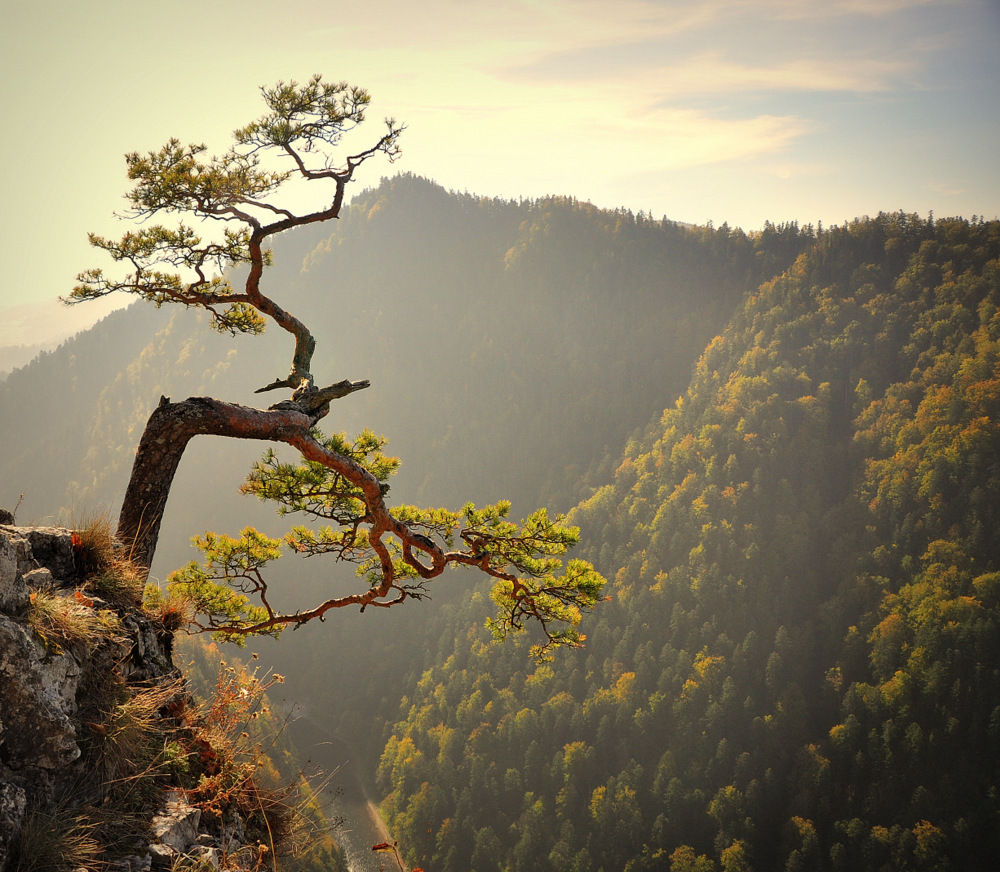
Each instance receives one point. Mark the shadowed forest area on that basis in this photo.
(782, 447)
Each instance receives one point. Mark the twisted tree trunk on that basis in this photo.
(172, 425)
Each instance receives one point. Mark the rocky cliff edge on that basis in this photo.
(89, 700)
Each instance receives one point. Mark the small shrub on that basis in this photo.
(173, 612)
(231, 743)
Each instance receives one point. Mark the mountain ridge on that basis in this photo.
(785, 540)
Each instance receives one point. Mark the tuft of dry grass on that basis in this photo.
(121, 585)
(133, 734)
(56, 839)
(93, 543)
(107, 572)
(70, 620)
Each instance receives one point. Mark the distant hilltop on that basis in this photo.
(27, 329)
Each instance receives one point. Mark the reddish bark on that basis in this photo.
(172, 425)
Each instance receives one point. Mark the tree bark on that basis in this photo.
(172, 425)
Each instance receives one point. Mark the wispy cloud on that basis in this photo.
(712, 72)
(682, 138)
(949, 190)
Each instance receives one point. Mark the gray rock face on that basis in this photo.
(39, 721)
(35, 557)
(52, 548)
(13, 590)
(37, 700)
(177, 825)
(37, 687)
(12, 807)
(39, 683)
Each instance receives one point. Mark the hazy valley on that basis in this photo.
(782, 449)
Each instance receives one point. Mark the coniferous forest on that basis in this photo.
(781, 446)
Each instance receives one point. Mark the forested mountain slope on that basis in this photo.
(512, 347)
(508, 344)
(800, 666)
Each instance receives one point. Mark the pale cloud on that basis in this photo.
(949, 190)
(679, 139)
(712, 73)
(714, 12)
(823, 9)
(573, 137)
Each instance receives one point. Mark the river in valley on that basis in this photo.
(345, 798)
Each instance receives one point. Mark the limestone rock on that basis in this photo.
(52, 547)
(40, 718)
(13, 590)
(149, 657)
(38, 579)
(37, 700)
(209, 857)
(161, 857)
(12, 807)
(177, 825)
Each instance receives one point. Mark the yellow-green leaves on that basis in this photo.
(397, 552)
(220, 589)
(175, 179)
(549, 600)
(312, 114)
(316, 489)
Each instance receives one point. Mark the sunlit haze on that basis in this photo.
(726, 110)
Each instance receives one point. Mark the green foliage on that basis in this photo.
(316, 489)
(798, 668)
(525, 559)
(317, 113)
(219, 591)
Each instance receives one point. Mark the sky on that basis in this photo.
(737, 111)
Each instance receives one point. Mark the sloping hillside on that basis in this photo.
(798, 665)
(800, 668)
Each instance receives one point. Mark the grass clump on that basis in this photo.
(55, 839)
(134, 734)
(107, 572)
(70, 620)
